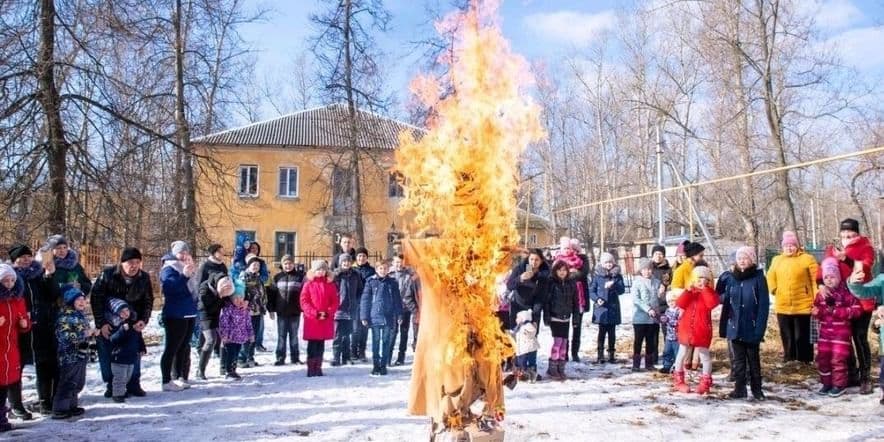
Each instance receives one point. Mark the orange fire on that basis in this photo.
(460, 194)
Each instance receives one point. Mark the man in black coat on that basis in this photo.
(347, 248)
(128, 282)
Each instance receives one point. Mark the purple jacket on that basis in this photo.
(235, 324)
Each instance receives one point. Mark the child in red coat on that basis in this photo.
(319, 302)
(14, 321)
(834, 308)
(695, 328)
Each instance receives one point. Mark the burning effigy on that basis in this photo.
(461, 180)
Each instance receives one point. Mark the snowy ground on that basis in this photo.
(598, 401)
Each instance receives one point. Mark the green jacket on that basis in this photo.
(873, 289)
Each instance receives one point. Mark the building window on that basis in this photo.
(288, 182)
(394, 187)
(343, 202)
(285, 244)
(248, 181)
(532, 239)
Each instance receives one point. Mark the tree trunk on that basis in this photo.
(359, 232)
(48, 96)
(188, 230)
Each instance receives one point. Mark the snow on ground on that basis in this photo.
(607, 401)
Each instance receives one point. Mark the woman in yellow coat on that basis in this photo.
(791, 279)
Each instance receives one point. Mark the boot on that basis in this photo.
(17, 408)
(561, 370)
(636, 363)
(649, 362)
(739, 391)
(611, 358)
(317, 366)
(400, 359)
(865, 387)
(552, 369)
(575, 355)
(600, 359)
(705, 384)
(310, 370)
(678, 382)
(532, 376)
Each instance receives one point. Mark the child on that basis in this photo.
(526, 346)
(350, 286)
(319, 302)
(127, 346)
(874, 289)
(284, 300)
(605, 290)
(235, 329)
(72, 332)
(670, 320)
(381, 309)
(644, 319)
(834, 309)
(561, 304)
(697, 303)
(257, 299)
(14, 321)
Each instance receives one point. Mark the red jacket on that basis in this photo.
(11, 310)
(860, 250)
(319, 295)
(695, 325)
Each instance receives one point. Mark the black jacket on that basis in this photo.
(209, 303)
(284, 294)
(561, 301)
(350, 286)
(43, 298)
(210, 267)
(112, 284)
(530, 294)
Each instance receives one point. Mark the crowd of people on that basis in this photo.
(44, 321)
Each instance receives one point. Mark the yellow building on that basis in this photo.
(286, 182)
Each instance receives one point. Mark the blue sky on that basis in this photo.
(543, 29)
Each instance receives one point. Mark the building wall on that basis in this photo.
(223, 211)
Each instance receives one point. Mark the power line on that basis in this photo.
(833, 158)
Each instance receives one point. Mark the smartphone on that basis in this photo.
(46, 256)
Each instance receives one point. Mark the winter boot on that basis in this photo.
(532, 377)
(575, 355)
(552, 369)
(649, 362)
(678, 382)
(600, 359)
(317, 366)
(611, 358)
(310, 369)
(705, 384)
(739, 391)
(400, 359)
(561, 370)
(18, 410)
(865, 387)
(636, 363)
(109, 391)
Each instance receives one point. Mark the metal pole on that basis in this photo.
(528, 212)
(813, 221)
(661, 223)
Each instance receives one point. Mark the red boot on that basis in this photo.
(678, 382)
(705, 384)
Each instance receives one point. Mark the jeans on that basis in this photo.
(859, 328)
(670, 348)
(259, 332)
(177, 350)
(381, 344)
(527, 360)
(287, 330)
(247, 352)
(104, 362)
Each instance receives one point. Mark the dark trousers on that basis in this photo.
(247, 352)
(210, 337)
(47, 380)
(746, 365)
(381, 344)
(258, 327)
(104, 364)
(177, 351)
(228, 356)
(860, 362)
(71, 379)
(576, 327)
(287, 331)
(527, 360)
(402, 332)
(647, 334)
(881, 371)
(3, 409)
(416, 327)
(358, 339)
(315, 349)
(795, 335)
(341, 343)
(607, 331)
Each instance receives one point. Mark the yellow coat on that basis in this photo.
(683, 277)
(792, 282)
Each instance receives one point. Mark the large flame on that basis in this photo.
(460, 193)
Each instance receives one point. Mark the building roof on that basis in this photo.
(318, 127)
(535, 221)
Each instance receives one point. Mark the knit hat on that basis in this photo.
(362, 250)
(702, 272)
(747, 251)
(6, 270)
(19, 250)
(524, 316)
(693, 249)
(671, 296)
(214, 248)
(645, 263)
(680, 249)
(790, 239)
(319, 264)
(659, 248)
(116, 305)
(831, 267)
(55, 241)
(71, 294)
(285, 258)
(252, 258)
(575, 244)
(606, 257)
(564, 243)
(345, 257)
(180, 247)
(850, 224)
(130, 253)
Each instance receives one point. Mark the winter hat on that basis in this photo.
(606, 257)
(362, 250)
(6, 270)
(702, 271)
(252, 258)
(747, 251)
(116, 305)
(693, 249)
(671, 296)
(680, 249)
(319, 264)
(345, 257)
(17, 251)
(286, 257)
(55, 241)
(213, 248)
(850, 224)
(645, 263)
(524, 316)
(831, 268)
(659, 248)
(71, 295)
(564, 243)
(180, 247)
(575, 244)
(790, 239)
(130, 253)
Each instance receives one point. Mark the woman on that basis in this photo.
(178, 282)
(745, 306)
(212, 293)
(528, 282)
(65, 266)
(319, 302)
(792, 280)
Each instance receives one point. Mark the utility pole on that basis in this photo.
(661, 223)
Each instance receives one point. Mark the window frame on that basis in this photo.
(288, 169)
(239, 189)
(276, 255)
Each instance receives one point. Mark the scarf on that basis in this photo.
(28, 273)
(17, 290)
(742, 275)
(68, 262)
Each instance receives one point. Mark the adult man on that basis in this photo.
(129, 283)
(347, 243)
(405, 279)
